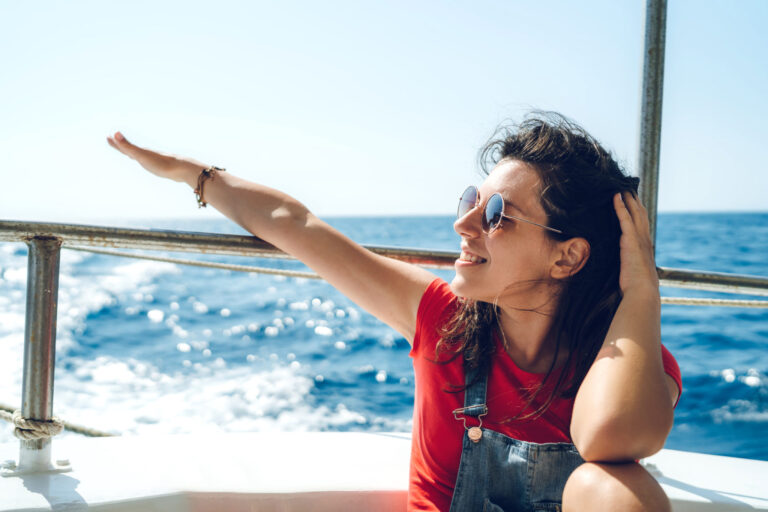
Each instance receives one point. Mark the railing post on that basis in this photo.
(40, 346)
(650, 110)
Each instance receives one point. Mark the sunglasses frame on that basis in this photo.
(490, 230)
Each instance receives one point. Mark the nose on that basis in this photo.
(470, 225)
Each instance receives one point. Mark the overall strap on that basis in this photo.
(474, 394)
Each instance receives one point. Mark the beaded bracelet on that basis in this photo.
(204, 175)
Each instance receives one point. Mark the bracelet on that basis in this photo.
(210, 172)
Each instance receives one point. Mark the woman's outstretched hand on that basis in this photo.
(638, 267)
(160, 164)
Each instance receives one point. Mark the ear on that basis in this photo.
(570, 256)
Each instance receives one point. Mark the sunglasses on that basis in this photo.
(493, 213)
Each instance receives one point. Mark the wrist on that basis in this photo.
(205, 175)
(189, 172)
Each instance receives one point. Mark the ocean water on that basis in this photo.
(147, 347)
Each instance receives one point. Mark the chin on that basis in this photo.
(463, 289)
(456, 286)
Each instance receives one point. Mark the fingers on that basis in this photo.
(641, 215)
(120, 143)
(628, 215)
(636, 210)
(622, 211)
(634, 222)
(635, 207)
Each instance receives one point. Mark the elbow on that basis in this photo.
(622, 439)
(286, 218)
(290, 211)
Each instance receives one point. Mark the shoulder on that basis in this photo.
(437, 297)
(436, 307)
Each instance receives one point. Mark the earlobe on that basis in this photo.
(573, 255)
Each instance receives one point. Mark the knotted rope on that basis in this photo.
(30, 429)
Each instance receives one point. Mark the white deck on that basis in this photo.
(284, 472)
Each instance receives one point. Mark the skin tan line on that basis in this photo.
(623, 410)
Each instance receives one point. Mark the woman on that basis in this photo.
(540, 375)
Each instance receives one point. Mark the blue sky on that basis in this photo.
(372, 108)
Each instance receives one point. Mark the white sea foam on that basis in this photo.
(155, 315)
(78, 297)
(740, 411)
(205, 394)
(299, 306)
(752, 378)
(133, 397)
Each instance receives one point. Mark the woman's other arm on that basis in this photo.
(624, 408)
(388, 289)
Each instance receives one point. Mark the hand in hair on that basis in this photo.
(638, 267)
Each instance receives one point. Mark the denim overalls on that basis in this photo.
(501, 474)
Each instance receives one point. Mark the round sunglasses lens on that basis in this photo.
(467, 201)
(493, 212)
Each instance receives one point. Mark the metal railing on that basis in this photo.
(650, 107)
(77, 236)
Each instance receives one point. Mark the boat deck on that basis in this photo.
(319, 471)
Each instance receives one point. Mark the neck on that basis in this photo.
(527, 338)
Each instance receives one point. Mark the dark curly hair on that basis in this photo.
(579, 179)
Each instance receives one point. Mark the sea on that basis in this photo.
(147, 347)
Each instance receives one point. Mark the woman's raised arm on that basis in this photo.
(624, 407)
(388, 289)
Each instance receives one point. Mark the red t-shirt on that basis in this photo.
(437, 436)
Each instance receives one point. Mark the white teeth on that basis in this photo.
(471, 257)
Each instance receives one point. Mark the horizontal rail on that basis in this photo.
(682, 301)
(73, 235)
(713, 281)
(185, 241)
(697, 301)
(203, 264)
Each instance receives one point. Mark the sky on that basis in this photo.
(362, 107)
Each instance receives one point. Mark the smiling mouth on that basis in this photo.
(471, 258)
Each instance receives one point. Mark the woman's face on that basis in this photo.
(509, 258)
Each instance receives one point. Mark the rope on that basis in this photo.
(679, 301)
(29, 429)
(687, 301)
(194, 263)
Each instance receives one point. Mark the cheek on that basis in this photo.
(520, 261)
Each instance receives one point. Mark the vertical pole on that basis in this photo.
(650, 111)
(40, 346)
